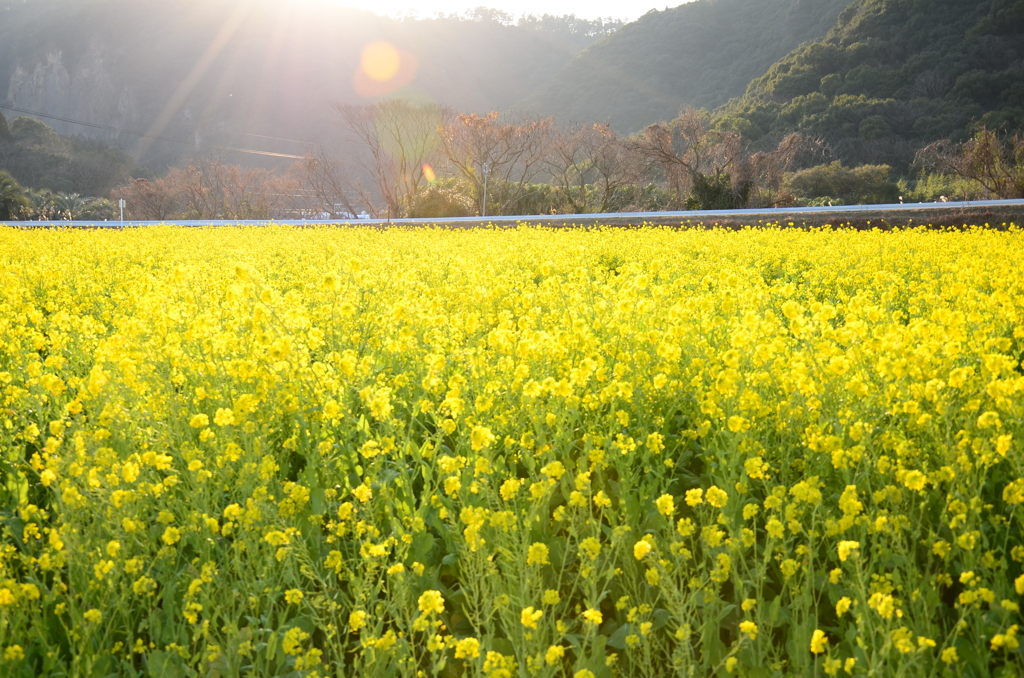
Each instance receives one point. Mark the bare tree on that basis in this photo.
(149, 200)
(209, 190)
(593, 169)
(514, 153)
(213, 190)
(620, 173)
(688, 151)
(996, 164)
(398, 139)
(327, 187)
(764, 171)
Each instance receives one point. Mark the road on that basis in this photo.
(638, 217)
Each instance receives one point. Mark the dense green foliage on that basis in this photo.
(840, 185)
(894, 75)
(698, 54)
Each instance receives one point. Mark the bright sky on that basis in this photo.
(585, 9)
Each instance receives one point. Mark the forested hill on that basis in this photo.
(893, 75)
(699, 54)
(221, 71)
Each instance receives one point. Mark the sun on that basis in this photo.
(383, 68)
(380, 60)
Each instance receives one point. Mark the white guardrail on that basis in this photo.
(640, 217)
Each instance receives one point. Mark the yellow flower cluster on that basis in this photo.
(511, 452)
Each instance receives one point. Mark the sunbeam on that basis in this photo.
(176, 101)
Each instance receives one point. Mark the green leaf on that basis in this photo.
(165, 664)
(618, 639)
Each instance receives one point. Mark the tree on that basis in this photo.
(514, 153)
(867, 184)
(14, 204)
(398, 141)
(327, 187)
(764, 172)
(30, 131)
(716, 192)
(209, 190)
(572, 159)
(442, 199)
(148, 200)
(487, 15)
(693, 154)
(591, 167)
(997, 164)
(213, 190)
(68, 206)
(5, 131)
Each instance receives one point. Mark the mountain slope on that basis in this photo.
(219, 71)
(894, 75)
(699, 54)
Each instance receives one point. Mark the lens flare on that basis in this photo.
(428, 173)
(383, 69)
(381, 61)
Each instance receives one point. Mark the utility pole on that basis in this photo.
(120, 204)
(487, 170)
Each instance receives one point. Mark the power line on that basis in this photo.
(150, 136)
(264, 136)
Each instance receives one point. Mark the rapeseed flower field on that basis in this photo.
(503, 453)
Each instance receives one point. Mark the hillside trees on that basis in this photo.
(5, 130)
(39, 157)
(122, 61)
(699, 54)
(894, 76)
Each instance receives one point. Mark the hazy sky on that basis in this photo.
(588, 9)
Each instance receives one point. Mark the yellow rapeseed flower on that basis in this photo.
(467, 648)
(819, 641)
(846, 548)
(716, 497)
(537, 554)
(529, 617)
(431, 601)
(171, 536)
